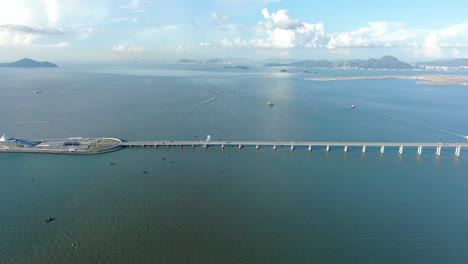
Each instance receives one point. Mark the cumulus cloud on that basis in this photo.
(16, 38)
(32, 30)
(125, 19)
(206, 44)
(434, 43)
(138, 5)
(127, 48)
(219, 18)
(52, 9)
(12, 34)
(282, 31)
(63, 44)
(181, 50)
(85, 33)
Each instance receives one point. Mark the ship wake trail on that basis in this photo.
(25, 122)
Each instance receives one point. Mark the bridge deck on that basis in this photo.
(291, 143)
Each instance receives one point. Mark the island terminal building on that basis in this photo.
(8, 142)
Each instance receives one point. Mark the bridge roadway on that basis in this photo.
(292, 145)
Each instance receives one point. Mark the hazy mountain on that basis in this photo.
(447, 63)
(187, 61)
(214, 61)
(386, 62)
(28, 63)
(313, 64)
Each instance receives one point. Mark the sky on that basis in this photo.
(154, 30)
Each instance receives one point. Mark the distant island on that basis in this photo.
(386, 62)
(236, 67)
(29, 63)
(209, 61)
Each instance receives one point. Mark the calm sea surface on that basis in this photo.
(231, 206)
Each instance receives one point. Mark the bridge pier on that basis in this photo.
(420, 150)
(310, 147)
(457, 151)
(328, 148)
(364, 149)
(345, 149)
(382, 149)
(439, 150)
(193, 145)
(400, 150)
(205, 146)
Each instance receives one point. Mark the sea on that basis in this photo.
(196, 205)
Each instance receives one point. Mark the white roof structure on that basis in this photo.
(3, 139)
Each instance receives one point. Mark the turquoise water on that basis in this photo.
(231, 206)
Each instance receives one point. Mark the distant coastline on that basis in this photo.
(432, 79)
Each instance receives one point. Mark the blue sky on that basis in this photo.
(113, 30)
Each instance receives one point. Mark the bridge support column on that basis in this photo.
(439, 150)
(420, 150)
(274, 147)
(292, 147)
(257, 147)
(364, 149)
(310, 148)
(400, 150)
(382, 149)
(345, 149)
(457, 151)
(240, 146)
(328, 148)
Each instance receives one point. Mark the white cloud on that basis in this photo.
(434, 45)
(15, 12)
(206, 44)
(181, 50)
(125, 19)
(63, 44)
(279, 30)
(12, 38)
(85, 33)
(219, 18)
(127, 48)
(11, 34)
(52, 9)
(138, 5)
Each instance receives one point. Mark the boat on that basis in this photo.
(50, 219)
(270, 103)
(353, 106)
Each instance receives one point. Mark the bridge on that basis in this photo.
(328, 146)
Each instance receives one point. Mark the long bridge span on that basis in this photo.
(328, 146)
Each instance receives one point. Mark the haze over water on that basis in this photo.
(231, 205)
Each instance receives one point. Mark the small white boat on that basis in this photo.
(270, 103)
(353, 106)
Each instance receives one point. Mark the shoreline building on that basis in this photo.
(7, 142)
